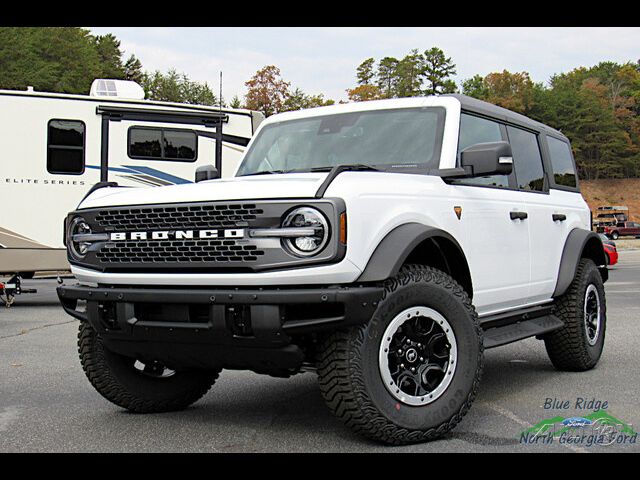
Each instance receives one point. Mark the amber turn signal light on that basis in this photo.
(343, 228)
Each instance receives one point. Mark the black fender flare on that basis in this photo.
(577, 241)
(395, 247)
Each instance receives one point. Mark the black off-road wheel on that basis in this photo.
(578, 345)
(137, 386)
(411, 373)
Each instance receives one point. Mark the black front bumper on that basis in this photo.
(205, 327)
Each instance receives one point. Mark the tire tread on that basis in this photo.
(342, 386)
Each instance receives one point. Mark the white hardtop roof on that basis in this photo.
(123, 101)
(433, 101)
(449, 100)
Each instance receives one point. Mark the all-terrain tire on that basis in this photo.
(116, 379)
(349, 373)
(569, 348)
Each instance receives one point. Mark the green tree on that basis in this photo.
(387, 76)
(133, 70)
(579, 104)
(298, 100)
(176, 87)
(409, 73)
(267, 91)
(475, 87)
(235, 102)
(438, 68)
(365, 73)
(108, 48)
(51, 59)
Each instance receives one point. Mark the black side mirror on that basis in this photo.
(483, 159)
(206, 172)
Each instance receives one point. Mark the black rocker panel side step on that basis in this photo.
(496, 336)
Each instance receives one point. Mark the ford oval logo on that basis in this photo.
(576, 422)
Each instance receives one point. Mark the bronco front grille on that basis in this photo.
(178, 217)
(169, 237)
(183, 251)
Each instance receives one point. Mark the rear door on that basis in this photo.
(553, 203)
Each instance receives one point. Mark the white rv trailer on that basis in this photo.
(55, 147)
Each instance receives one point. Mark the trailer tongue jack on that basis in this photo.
(9, 290)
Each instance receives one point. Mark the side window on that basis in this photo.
(147, 143)
(526, 159)
(65, 147)
(564, 172)
(480, 130)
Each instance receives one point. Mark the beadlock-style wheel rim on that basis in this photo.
(418, 356)
(592, 317)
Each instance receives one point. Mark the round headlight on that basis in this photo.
(306, 217)
(78, 226)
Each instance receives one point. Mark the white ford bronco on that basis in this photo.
(383, 245)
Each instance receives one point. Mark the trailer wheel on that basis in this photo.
(139, 387)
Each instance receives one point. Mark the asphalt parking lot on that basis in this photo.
(47, 404)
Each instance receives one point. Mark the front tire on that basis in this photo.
(427, 330)
(578, 345)
(615, 235)
(141, 388)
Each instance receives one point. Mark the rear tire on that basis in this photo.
(151, 389)
(361, 389)
(578, 345)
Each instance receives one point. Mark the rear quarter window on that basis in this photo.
(564, 172)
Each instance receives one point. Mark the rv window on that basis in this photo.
(162, 144)
(65, 147)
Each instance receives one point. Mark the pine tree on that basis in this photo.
(387, 76)
(438, 69)
(108, 48)
(365, 72)
(409, 75)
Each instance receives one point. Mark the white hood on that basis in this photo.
(298, 185)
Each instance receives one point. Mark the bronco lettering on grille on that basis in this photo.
(178, 234)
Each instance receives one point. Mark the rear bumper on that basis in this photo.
(232, 328)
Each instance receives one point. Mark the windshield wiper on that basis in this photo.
(344, 168)
(337, 170)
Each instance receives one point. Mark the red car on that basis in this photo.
(610, 248)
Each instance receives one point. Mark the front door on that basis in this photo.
(496, 238)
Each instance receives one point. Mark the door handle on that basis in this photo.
(559, 217)
(518, 215)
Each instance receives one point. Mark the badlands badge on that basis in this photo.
(458, 211)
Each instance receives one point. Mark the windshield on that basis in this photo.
(408, 138)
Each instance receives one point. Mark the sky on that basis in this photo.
(324, 60)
